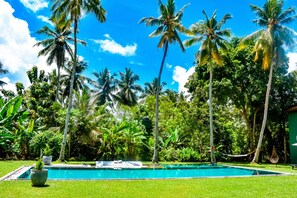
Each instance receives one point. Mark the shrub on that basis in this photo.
(169, 154)
(188, 155)
(39, 141)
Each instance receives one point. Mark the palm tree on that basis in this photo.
(269, 43)
(2, 71)
(74, 9)
(169, 24)
(210, 34)
(127, 93)
(150, 89)
(104, 87)
(56, 45)
(79, 79)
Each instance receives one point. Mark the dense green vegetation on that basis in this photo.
(110, 116)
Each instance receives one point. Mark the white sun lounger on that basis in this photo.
(119, 164)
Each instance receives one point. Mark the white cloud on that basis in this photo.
(45, 19)
(168, 66)
(9, 85)
(16, 45)
(107, 36)
(111, 46)
(292, 61)
(181, 75)
(135, 63)
(35, 5)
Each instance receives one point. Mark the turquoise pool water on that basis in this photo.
(167, 172)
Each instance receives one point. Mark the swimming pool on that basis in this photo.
(167, 172)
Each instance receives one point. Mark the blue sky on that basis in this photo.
(119, 42)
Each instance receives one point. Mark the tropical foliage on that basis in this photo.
(111, 116)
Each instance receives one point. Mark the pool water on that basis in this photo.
(167, 172)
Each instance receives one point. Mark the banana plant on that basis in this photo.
(10, 118)
(173, 138)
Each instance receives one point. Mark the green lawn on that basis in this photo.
(266, 186)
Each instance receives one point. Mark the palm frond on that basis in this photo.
(286, 14)
(204, 52)
(151, 21)
(179, 41)
(288, 20)
(207, 19)
(250, 38)
(225, 32)
(261, 22)
(223, 21)
(180, 13)
(192, 41)
(216, 54)
(157, 32)
(259, 12)
(183, 29)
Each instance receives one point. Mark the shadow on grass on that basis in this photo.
(44, 186)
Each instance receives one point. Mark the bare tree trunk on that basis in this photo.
(256, 157)
(253, 133)
(249, 129)
(212, 157)
(285, 139)
(62, 152)
(155, 156)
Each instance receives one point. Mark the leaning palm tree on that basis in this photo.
(169, 24)
(56, 45)
(269, 45)
(211, 35)
(74, 9)
(127, 93)
(104, 87)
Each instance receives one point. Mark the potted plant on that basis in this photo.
(47, 155)
(38, 174)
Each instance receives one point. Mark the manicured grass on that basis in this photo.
(277, 186)
(266, 186)
(9, 166)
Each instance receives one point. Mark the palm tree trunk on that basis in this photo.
(256, 157)
(58, 85)
(249, 129)
(62, 152)
(58, 80)
(155, 156)
(212, 157)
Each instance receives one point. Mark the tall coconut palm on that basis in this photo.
(210, 34)
(56, 45)
(169, 24)
(127, 93)
(269, 43)
(104, 87)
(74, 9)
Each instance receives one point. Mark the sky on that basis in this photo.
(119, 43)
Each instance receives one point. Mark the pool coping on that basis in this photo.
(252, 168)
(18, 172)
(15, 174)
